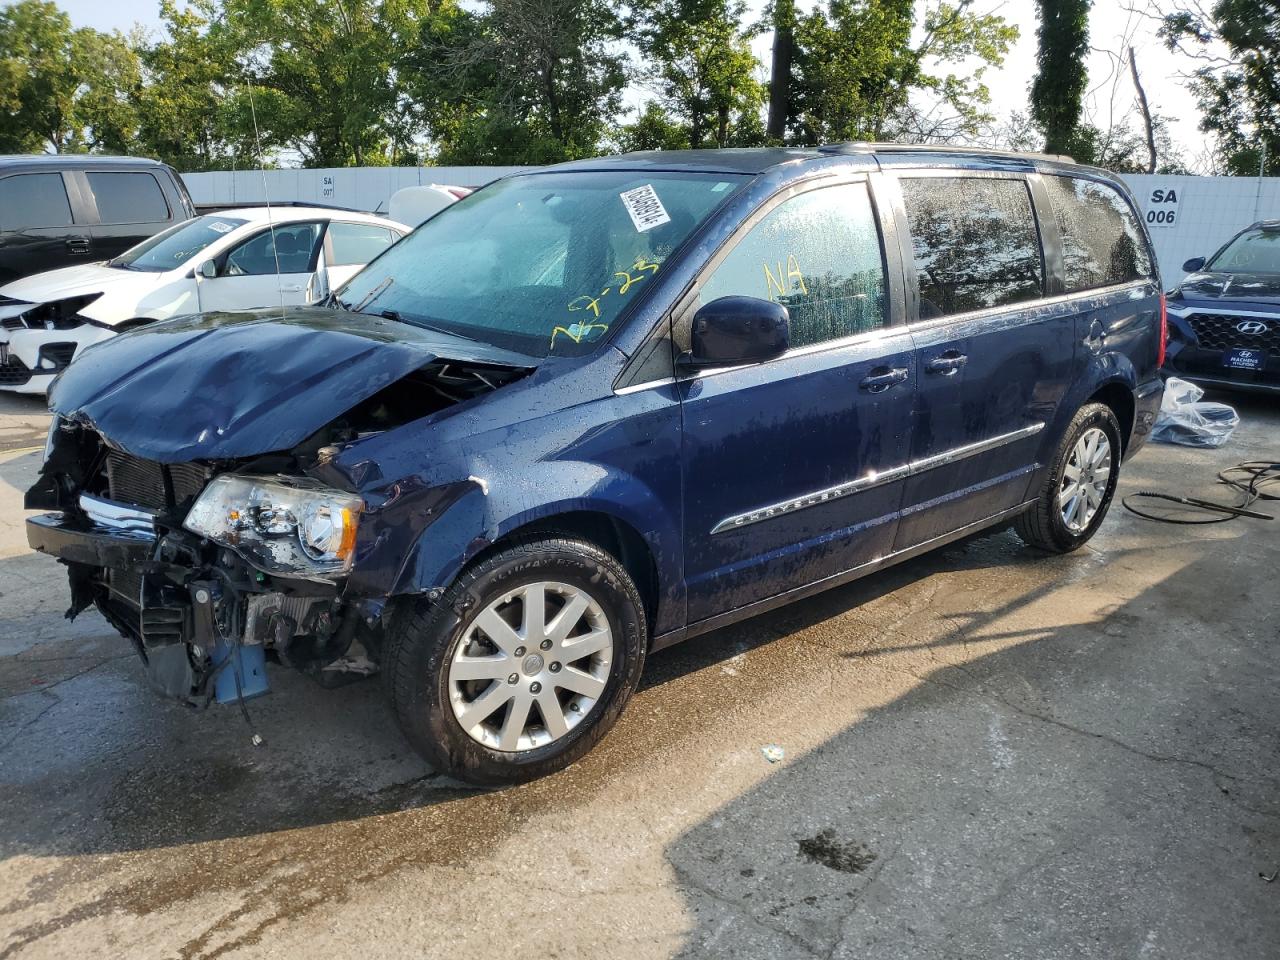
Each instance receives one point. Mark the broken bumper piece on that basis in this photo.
(199, 617)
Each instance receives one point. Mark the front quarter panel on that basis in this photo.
(156, 301)
(441, 490)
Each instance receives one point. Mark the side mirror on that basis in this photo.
(208, 269)
(1194, 264)
(736, 330)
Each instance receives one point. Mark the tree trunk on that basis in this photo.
(784, 15)
(1146, 113)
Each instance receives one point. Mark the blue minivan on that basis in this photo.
(599, 408)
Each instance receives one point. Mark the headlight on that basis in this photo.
(293, 527)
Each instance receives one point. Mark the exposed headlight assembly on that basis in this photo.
(287, 526)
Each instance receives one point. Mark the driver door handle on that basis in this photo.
(882, 378)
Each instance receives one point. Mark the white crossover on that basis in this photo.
(235, 260)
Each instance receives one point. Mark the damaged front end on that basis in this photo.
(212, 565)
(204, 608)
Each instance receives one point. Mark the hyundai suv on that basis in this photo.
(596, 409)
(1225, 316)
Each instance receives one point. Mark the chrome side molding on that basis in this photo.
(972, 449)
(122, 518)
(873, 479)
(845, 489)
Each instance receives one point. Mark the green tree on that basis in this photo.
(326, 75)
(191, 110)
(864, 72)
(521, 81)
(1237, 46)
(1057, 93)
(702, 69)
(63, 90)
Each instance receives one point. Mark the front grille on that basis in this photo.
(14, 373)
(133, 480)
(145, 483)
(1217, 331)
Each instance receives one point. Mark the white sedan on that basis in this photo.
(235, 260)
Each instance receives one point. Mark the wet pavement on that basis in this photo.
(986, 753)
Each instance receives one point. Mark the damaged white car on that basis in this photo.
(237, 260)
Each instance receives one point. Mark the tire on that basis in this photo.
(436, 653)
(1044, 525)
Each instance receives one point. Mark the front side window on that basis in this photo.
(33, 200)
(172, 248)
(128, 197)
(1102, 243)
(542, 264)
(286, 248)
(975, 242)
(358, 243)
(819, 255)
(1254, 251)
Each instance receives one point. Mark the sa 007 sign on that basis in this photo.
(1162, 207)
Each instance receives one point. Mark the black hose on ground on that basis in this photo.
(1250, 478)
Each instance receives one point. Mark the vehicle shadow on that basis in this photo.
(93, 762)
(1084, 789)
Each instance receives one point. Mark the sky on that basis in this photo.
(1112, 26)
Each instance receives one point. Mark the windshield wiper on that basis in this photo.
(373, 293)
(399, 317)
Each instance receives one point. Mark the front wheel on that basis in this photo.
(522, 666)
(1075, 497)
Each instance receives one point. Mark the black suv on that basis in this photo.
(1224, 318)
(59, 210)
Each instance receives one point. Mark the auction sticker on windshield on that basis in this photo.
(219, 227)
(645, 208)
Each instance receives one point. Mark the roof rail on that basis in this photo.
(866, 146)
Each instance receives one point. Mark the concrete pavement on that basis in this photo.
(987, 753)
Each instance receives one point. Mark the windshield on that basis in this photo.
(172, 248)
(1254, 251)
(540, 264)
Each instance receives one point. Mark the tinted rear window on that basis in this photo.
(1102, 243)
(975, 242)
(128, 197)
(33, 200)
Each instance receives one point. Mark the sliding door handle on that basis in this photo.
(882, 378)
(947, 364)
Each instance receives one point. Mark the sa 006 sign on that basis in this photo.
(1162, 207)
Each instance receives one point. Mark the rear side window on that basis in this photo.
(33, 200)
(819, 255)
(128, 197)
(358, 243)
(1102, 243)
(975, 242)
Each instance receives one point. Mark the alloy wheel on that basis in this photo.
(530, 666)
(1085, 479)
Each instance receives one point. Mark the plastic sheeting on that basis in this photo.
(1186, 419)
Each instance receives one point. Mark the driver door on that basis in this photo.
(274, 267)
(794, 468)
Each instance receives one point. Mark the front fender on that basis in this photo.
(421, 539)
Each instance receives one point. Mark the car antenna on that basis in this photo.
(266, 197)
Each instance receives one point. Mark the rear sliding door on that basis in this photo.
(992, 358)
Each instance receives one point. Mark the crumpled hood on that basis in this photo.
(74, 281)
(1231, 287)
(230, 385)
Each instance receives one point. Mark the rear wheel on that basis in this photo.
(1075, 497)
(522, 666)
